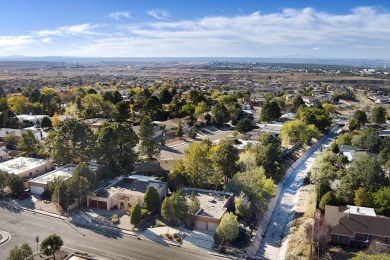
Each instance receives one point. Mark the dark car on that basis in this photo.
(24, 194)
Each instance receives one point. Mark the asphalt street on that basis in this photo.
(282, 215)
(24, 226)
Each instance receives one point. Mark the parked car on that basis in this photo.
(24, 194)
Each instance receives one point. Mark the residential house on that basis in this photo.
(352, 152)
(159, 168)
(213, 205)
(356, 226)
(125, 192)
(385, 134)
(26, 167)
(309, 101)
(39, 184)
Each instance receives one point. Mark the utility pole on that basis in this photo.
(312, 227)
(37, 240)
(58, 201)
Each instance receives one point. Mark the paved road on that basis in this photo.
(276, 231)
(25, 225)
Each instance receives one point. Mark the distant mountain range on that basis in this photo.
(300, 60)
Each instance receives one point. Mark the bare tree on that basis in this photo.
(321, 234)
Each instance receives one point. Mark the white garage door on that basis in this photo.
(37, 190)
(212, 226)
(200, 225)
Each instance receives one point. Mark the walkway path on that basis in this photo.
(276, 231)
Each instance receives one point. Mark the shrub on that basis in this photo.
(144, 212)
(46, 195)
(328, 199)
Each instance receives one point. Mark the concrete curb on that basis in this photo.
(5, 236)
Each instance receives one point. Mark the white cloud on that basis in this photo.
(158, 14)
(8, 41)
(119, 15)
(364, 32)
(80, 29)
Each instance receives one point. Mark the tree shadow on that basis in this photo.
(10, 206)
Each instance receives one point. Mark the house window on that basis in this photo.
(30, 174)
(337, 237)
(386, 239)
(367, 237)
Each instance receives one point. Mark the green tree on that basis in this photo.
(382, 201)
(15, 183)
(298, 132)
(180, 130)
(151, 198)
(297, 102)
(28, 145)
(344, 139)
(243, 207)
(368, 140)
(24, 252)
(193, 203)
(3, 181)
(46, 122)
(221, 115)
(123, 111)
(378, 115)
(92, 105)
(270, 111)
(362, 198)
(328, 199)
(244, 125)
(136, 216)
(74, 142)
(202, 107)
(198, 166)
(175, 207)
(363, 172)
(82, 170)
(177, 177)
(115, 146)
(165, 96)
(51, 244)
(149, 148)
(11, 140)
(225, 161)
(364, 256)
(334, 148)
(268, 154)
(146, 128)
(228, 228)
(192, 133)
(78, 188)
(152, 107)
(360, 117)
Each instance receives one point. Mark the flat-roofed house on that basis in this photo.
(26, 167)
(125, 192)
(41, 183)
(213, 205)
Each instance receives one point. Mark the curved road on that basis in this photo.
(272, 241)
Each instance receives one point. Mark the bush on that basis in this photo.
(144, 212)
(46, 195)
(328, 199)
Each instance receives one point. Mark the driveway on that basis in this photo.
(278, 225)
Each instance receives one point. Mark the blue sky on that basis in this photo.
(202, 28)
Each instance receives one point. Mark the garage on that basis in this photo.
(212, 226)
(37, 190)
(102, 204)
(201, 225)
